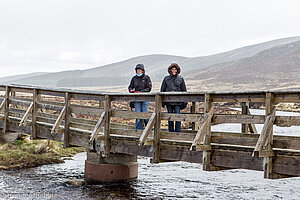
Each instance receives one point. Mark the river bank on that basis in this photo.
(25, 153)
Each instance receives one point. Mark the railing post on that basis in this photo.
(245, 107)
(33, 113)
(67, 120)
(156, 138)
(268, 161)
(195, 109)
(207, 139)
(107, 125)
(6, 109)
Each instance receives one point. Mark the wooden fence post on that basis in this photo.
(268, 161)
(207, 139)
(156, 138)
(33, 113)
(245, 108)
(6, 109)
(195, 109)
(107, 126)
(67, 120)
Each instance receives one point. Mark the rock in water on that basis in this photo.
(76, 182)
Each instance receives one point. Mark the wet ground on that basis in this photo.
(175, 180)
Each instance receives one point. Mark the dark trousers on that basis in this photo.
(174, 109)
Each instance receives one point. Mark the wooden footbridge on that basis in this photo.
(85, 118)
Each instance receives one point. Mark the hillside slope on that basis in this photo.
(121, 72)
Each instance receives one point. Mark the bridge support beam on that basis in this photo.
(115, 168)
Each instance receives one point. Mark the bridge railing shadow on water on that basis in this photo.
(88, 119)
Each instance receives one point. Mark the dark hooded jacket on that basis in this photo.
(173, 83)
(140, 83)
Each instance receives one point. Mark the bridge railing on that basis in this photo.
(84, 118)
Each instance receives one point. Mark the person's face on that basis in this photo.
(174, 71)
(139, 71)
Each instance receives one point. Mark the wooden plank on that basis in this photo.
(236, 160)
(25, 117)
(95, 97)
(289, 165)
(52, 93)
(47, 115)
(181, 97)
(21, 90)
(147, 130)
(133, 97)
(59, 120)
(287, 98)
(56, 103)
(156, 136)
(130, 148)
(19, 102)
(130, 114)
(86, 110)
(177, 136)
(239, 97)
(46, 120)
(180, 153)
(204, 123)
(66, 134)
(181, 117)
(238, 118)
(84, 121)
(127, 132)
(98, 125)
(49, 107)
(82, 126)
(287, 121)
(280, 142)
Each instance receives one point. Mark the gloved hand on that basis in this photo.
(131, 91)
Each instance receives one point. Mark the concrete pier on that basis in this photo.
(115, 168)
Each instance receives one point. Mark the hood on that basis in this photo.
(174, 65)
(140, 66)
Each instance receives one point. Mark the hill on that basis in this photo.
(274, 68)
(120, 73)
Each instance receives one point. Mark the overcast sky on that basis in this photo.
(57, 35)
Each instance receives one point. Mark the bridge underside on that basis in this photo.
(229, 150)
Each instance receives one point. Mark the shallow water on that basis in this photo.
(174, 180)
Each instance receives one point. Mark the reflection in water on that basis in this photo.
(174, 180)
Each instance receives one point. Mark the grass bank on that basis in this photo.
(25, 153)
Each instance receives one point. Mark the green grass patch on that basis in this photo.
(24, 153)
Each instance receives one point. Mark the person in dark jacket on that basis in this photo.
(174, 83)
(140, 83)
